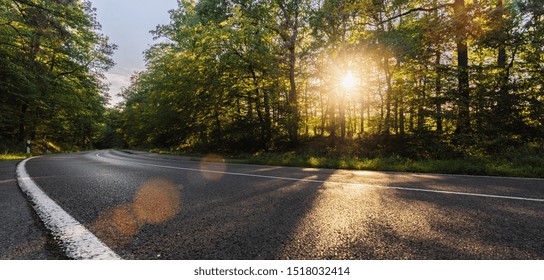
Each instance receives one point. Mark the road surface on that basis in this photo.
(149, 206)
(22, 235)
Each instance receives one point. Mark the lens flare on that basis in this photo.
(157, 201)
(117, 226)
(212, 167)
(349, 81)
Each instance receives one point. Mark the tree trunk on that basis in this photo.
(343, 117)
(290, 37)
(267, 120)
(293, 98)
(501, 60)
(264, 118)
(396, 115)
(388, 95)
(332, 117)
(463, 115)
(22, 123)
(438, 90)
(323, 114)
(401, 116)
(362, 117)
(421, 108)
(504, 104)
(438, 80)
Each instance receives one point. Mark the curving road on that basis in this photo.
(149, 206)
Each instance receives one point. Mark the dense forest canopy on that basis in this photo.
(379, 76)
(260, 74)
(52, 58)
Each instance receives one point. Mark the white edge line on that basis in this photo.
(330, 182)
(77, 241)
(352, 170)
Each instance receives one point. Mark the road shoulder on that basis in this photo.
(22, 236)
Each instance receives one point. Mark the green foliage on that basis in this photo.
(108, 133)
(51, 59)
(438, 85)
(516, 166)
(523, 161)
(214, 84)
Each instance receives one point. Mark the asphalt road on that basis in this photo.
(148, 206)
(22, 235)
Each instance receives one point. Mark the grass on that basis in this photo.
(468, 166)
(518, 166)
(12, 156)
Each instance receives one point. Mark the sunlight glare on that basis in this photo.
(349, 81)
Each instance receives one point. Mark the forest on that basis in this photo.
(52, 61)
(365, 78)
(407, 77)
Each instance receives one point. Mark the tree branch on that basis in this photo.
(24, 42)
(418, 9)
(30, 4)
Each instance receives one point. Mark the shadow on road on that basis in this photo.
(220, 216)
(203, 210)
(463, 227)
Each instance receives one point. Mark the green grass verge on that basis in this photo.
(12, 156)
(509, 165)
(468, 166)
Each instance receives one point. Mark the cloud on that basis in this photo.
(118, 79)
(130, 31)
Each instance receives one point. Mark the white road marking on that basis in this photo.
(7, 181)
(78, 242)
(375, 171)
(330, 182)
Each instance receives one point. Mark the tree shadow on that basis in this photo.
(224, 214)
(232, 217)
(466, 227)
(239, 217)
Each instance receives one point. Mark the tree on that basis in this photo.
(55, 49)
(255, 75)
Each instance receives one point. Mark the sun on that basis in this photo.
(349, 81)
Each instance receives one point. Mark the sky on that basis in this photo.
(127, 24)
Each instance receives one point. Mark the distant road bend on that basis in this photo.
(132, 205)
